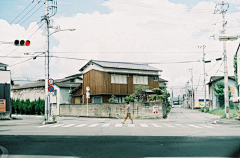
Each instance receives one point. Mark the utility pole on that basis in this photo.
(204, 76)
(226, 95)
(46, 17)
(46, 62)
(192, 85)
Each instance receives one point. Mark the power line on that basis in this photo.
(22, 12)
(218, 68)
(32, 14)
(27, 13)
(19, 46)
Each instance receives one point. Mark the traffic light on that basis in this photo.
(21, 43)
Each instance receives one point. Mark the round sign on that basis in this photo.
(88, 88)
(87, 93)
(50, 81)
(50, 88)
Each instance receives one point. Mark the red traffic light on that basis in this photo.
(27, 43)
(21, 43)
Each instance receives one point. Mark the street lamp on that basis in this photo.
(58, 30)
(225, 38)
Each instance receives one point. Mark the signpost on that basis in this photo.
(87, 96)
(50, 88)
(50, 81)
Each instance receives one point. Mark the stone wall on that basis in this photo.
(138, 110)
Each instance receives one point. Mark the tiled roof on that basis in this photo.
(216, 78)
(3, 65)
(30, 85)
(67, 84)
(162, 80)
(121, 65)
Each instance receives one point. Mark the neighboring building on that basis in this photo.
(162, 83)
(107, 78)
(62, 88)
(5, 89)
(199, 97)
(214, 104)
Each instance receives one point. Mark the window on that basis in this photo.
(155, 78)
(140, 80)
(97, 100)
(119, 79)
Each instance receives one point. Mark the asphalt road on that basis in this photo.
(185, 133)
(119, 146)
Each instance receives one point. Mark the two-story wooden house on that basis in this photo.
(107, 78)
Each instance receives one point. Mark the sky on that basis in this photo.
(167, 34)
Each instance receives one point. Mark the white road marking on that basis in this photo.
(81, 125)
(168, 125)
(22, 123)
(156, 125)
(93, 125)
(131, 125)
(68, 125)
(118, 125)
(144, 125)
(194, 126)
(57, 125)
(38, 116)
(105, 125)
(178, 124)
(207, 126)
(45, 125)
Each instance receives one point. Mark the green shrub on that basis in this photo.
(27, 106)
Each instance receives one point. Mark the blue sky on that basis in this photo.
(152, 27)
(10, 9)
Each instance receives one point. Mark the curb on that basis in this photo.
(49, 122)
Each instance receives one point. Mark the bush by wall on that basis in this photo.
(27, 107)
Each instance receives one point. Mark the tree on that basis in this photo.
(219, 93)
(139, 92)
(236, 76)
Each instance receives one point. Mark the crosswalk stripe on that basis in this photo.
(131, 125)
(57, 125)
(45, 125)
(168, 125)
(194, 126)
(93, 125)
(81, 125)
(144, 125)
(156, 125)
(118, 125)
(68, 125)
(207, 126)
(105, 125)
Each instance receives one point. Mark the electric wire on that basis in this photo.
(218, 68)
(27, 13)
(32, 14)
(19, 46)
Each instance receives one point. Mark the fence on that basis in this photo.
(138, 110)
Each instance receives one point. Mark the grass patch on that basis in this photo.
(221, 112)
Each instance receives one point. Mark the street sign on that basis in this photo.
(88, 88)
(87, 95)
(50, 88)
(50, 81)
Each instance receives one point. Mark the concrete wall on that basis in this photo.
(140, 110)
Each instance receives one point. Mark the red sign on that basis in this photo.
(50, 81)
(50, 88)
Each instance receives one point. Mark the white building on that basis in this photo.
(214, 104)
(62, 88)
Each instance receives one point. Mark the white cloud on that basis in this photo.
(138, 31)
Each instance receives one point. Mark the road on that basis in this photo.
(185, 133)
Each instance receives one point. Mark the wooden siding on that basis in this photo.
(100, 83)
